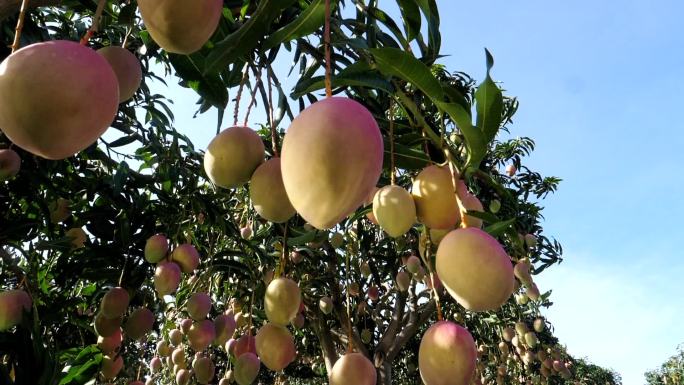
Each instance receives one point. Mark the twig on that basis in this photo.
(20, 25)
(95, 24)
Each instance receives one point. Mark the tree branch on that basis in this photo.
(417, 318)
(10, 7)
(327, 345)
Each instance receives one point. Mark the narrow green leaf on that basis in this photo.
(431, 12)
(477, 146)
(411, 16)
(405, 66)
(489, 104)
(209, 86)
(358, 74)
(245, 39)
(406, 157)
(500, 227)
(384, 18)
(122, 141)
(310, 20)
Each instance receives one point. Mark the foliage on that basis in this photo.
(588, 373)
(671, 372)
(150, 180)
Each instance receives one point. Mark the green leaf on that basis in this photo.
(209, 86)
(405, 157)
(431, 12)
(84, 367)
(122, 141)
(411, 16)
(358, 74)
(127, 14)
(384, 18)
(302, 239)
(310, 20)
(489, 104)
(239, 43)
(405, 66)
(500, 227)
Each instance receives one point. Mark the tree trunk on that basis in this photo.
(385, 374)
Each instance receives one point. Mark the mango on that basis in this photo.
(267, 191)
(475, 269)
(331, 159)
(394, 210)
(232, 156)
(179, 26)
(55, 114)
(447, 355)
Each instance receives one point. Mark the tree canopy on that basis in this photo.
(72, 229)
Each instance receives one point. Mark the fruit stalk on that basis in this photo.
(96, 22)
(239, 94)
(391, 140)
(20, 25)
(350, 344)
(326, 40)
(283, 255)
(252, 100)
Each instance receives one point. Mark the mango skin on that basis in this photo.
(13, 303)
(187, 257)
(331, 160)
(111, 367)
(267, 191)
(471, 203)
(114, 303)
(447, 355)
(394, 210)
(204, 370)
(106, 327)
(167, 277)
(275, 346)
(139, 323)
(246, 368)
(232, 156)
(201, 335)
(475, 269)
(10, 163)
(156, 248)
(56, 98)
(433, 192)
(245, 344)
(126, 68)
(282, 300)
(225, 327)
(353, 368)
(198, 306)
(110, 344)
(181, 26)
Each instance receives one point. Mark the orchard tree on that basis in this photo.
(671, 372)
(376, 227)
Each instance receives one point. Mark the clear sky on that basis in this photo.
(599, 84)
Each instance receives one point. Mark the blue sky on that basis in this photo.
(599, 84)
